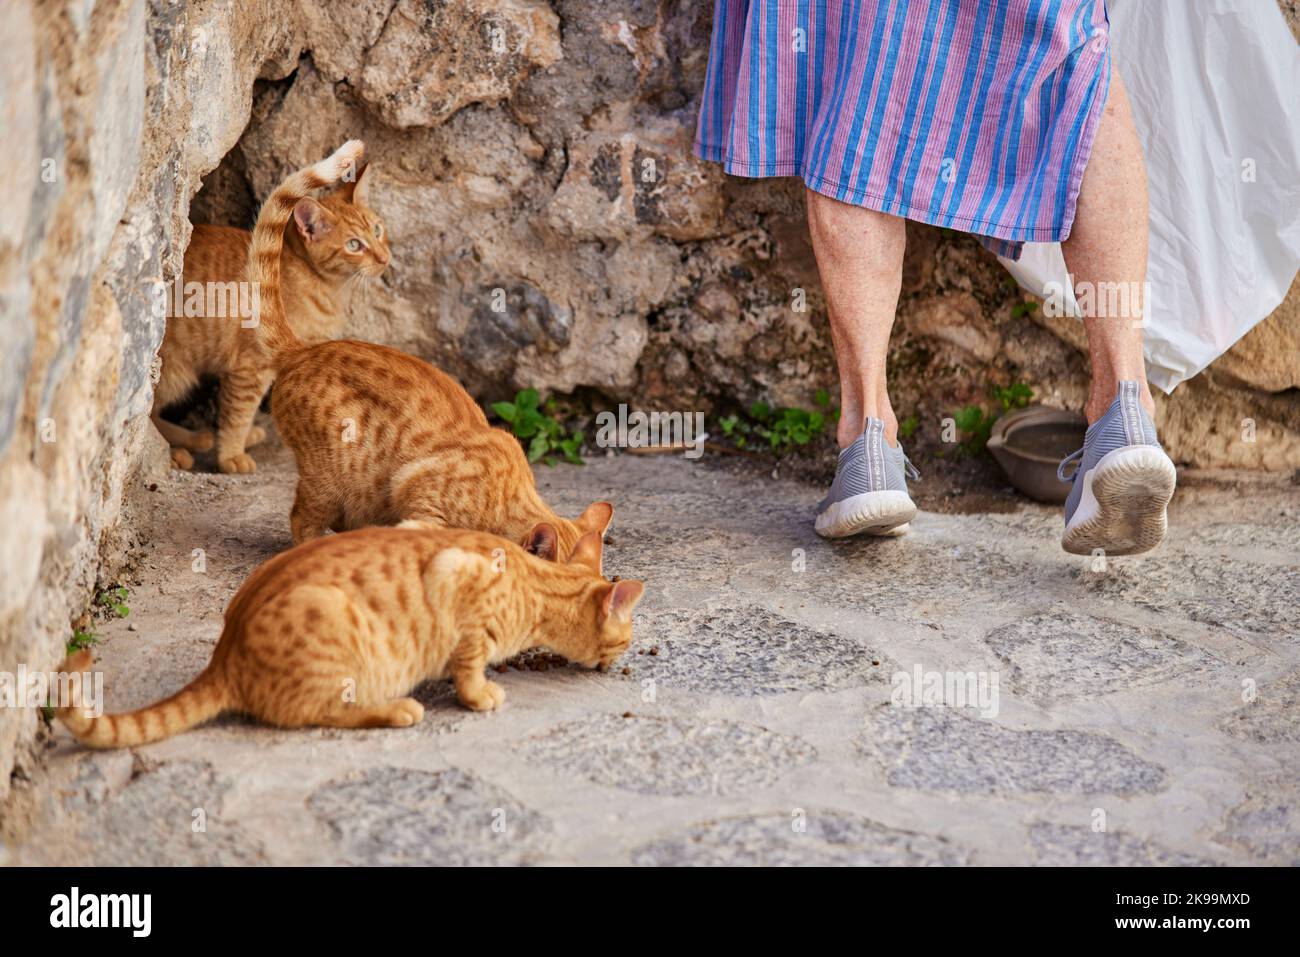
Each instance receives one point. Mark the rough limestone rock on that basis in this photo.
(112, 113)
(431, 60)
(551, 228)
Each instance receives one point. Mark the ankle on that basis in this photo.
(891, 426)
(851, 427)
(1096, 406)
(1100, 399)
(845, 432)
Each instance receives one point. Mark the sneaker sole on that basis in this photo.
(871, 513)
(1122, 508)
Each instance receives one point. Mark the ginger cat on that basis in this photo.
(338, 632)
(336, 240)
(384, 438)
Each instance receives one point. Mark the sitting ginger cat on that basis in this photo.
(334, 241)
(338, 632)
(382, 437)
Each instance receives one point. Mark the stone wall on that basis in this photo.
(537, 149)
(559, 173)
(112, 113)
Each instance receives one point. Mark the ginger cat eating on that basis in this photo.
(323, 255)
(384, 438)
(338, 632)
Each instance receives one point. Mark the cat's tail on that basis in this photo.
(273, 330)
(203, 698)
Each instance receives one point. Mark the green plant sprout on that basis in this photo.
(81, 638)
(977, 423)
(537, 426)
(780, 428)
(114, 600)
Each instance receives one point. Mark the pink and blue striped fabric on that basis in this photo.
(976, 115)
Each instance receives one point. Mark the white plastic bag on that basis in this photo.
(1215, 89)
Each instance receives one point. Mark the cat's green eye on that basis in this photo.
(379, 230)
(353, 245)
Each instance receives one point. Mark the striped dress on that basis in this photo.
(976, 115)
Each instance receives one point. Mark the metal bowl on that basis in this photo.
(1029, 445)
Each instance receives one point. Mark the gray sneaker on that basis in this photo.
(1122, 485)
(869, 493)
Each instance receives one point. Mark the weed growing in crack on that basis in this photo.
(780, 428)
(113, 600)
(538, 426)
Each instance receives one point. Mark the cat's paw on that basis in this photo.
(203, 441)
(256, 436)
(241, 464)
(182, 459)
(486, 697)
(406, 712)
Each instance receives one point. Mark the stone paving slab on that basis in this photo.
(777, 705)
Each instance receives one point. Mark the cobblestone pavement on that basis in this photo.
(1145, 712)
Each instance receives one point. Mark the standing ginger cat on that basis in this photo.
(335, 240)
(338, 632)
(383, 438)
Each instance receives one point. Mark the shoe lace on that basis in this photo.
(1075, 457)
(910, 470)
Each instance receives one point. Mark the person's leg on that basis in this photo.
(860, 258)
(1107, 246)
(1124, 481)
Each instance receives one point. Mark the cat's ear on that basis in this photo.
(361, 192)
(312, 219)
(587, 552)
(543, 541)
(621, 599)
(358, 190)
(596, 518)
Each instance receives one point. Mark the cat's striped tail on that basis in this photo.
(273, 330)
(203, 698)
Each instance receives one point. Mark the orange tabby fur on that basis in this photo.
(316, 265)
(383, 438)
(338, 632)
